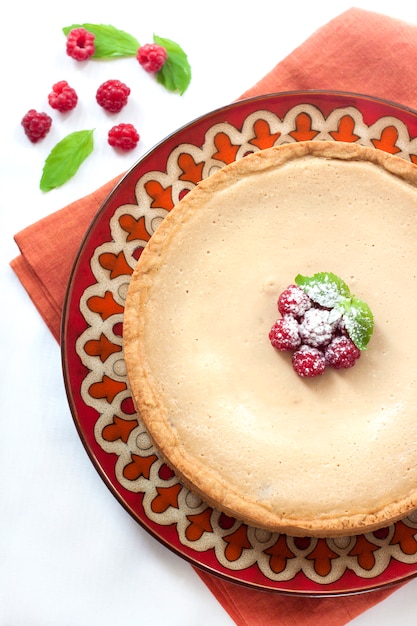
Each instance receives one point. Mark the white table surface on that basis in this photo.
(69, 553)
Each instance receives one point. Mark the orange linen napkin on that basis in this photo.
(359, 51)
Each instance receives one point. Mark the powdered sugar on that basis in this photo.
(315, 328)
(325, 294)
(294, 301)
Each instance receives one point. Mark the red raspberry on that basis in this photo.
(62, 97)
(152, 57)
(112, 95)
(80, 44)
(294, 301)
(124, 136)
(36, 125)
(315, 329)
(308, 362)
(284, 334)
(341, 327)
(342, 353)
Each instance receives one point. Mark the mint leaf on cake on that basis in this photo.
(325, 288)
(359, 322)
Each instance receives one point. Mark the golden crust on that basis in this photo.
(146, 388)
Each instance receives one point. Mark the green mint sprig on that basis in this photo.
(330, 291)
(111, 42)
(175, 74)
(65, 159)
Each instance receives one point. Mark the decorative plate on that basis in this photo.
(94, 369)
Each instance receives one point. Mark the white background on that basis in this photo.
(69, 553)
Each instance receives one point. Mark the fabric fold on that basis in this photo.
(359, 51)
(250, 607)
(47, 252)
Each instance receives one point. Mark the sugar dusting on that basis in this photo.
(325, 292)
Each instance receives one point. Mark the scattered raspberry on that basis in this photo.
(124, 136)
(62, 97)
(315, 329)
(80, 44)
(309, 362)
(294, 301)
(112, 95)
(152, 57)
(36, 125)
(284, 333)
(342, 353)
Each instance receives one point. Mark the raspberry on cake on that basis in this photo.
(341, 353)
(315, 328)
(294, 301)
(285, 334)
(308, 362)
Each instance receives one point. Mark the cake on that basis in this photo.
(327, 456)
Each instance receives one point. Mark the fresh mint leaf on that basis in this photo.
(110, 42)
(65, 158)
(359, 322)
(175, 74)
(336, 313)
(330, 291)
(324, 288)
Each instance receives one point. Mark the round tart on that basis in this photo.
(333, 455)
